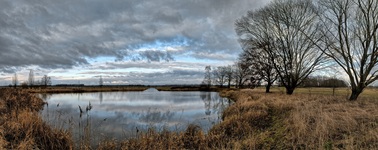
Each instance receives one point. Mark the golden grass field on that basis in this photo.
(311, 118)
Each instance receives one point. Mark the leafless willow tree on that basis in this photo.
(261, 66)
(229, 75)
(287, 31)
(351, 27)
(46, 81)
(242, 72)
(220, 75)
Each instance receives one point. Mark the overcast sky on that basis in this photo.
(124, 41)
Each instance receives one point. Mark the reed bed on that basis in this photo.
(21, 126)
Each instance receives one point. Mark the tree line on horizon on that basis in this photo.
(288, 40)
(45, 80)
(233, 75)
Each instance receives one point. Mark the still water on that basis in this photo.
(124, 114)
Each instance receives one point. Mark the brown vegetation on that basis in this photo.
(21, 127)
(256, 120)
(303, 121)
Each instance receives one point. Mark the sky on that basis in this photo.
(147, 42)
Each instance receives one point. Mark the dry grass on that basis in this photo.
(21, 127)
(192, 138)
(309, 119)
(302, 121)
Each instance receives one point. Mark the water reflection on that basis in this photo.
(119, 114)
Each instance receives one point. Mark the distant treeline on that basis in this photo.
(323, 81)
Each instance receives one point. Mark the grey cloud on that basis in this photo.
(175, 76)
(63, 34)
(154, 55)
(149, 65)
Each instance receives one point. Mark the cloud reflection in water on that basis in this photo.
(118, 114)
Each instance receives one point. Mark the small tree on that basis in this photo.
(24, 85)
(260, 64)
(46, 81)
(207, 79)
(31, 78)
(229, 75)
(242, 72)
(220, 75)
(15, 80)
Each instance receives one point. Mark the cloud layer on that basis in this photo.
(53, 34)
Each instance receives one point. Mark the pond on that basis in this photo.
(118, 115)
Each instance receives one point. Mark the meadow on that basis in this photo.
(312, 118)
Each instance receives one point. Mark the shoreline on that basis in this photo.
(85, 89)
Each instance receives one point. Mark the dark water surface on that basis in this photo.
(124, 114)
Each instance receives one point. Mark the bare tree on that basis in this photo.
(46, 80)
(31, 77)
(286, 30)
(229, 75)
(260, 64)
(207, 79)
(15, 80)
(351, 27)
(220, 75)
(242, 72)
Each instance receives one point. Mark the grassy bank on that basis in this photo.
(301, 121)
(21, 126)
(309, 119)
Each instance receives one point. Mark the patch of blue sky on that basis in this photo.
(139, 70)
(178, 41)
(101, 59)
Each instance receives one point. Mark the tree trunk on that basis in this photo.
(290, 90)
(267, 88)
(355, 93)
